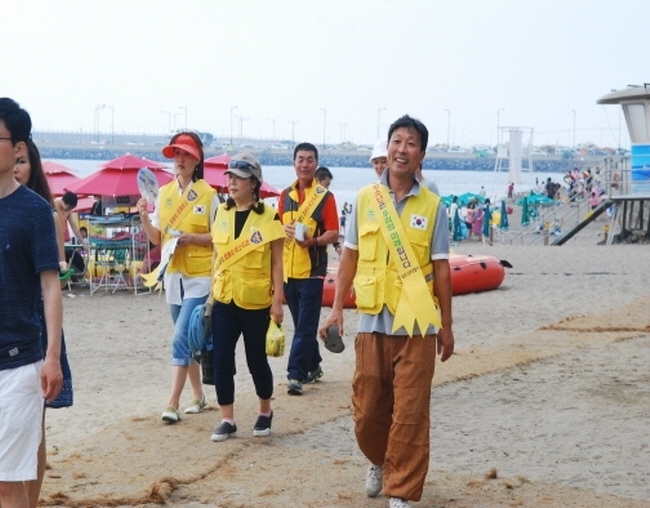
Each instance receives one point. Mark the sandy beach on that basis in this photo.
(544, 404)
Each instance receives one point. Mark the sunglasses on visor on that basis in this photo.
(240, 165)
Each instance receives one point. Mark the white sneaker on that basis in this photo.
(374, 480)
(196, 406)
(170, 415)
(397, 502)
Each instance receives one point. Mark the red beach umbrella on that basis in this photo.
(84, 205)
(128, 161)
(116, 182)
(214, 172)
(59, 177)
(119, 177)
(219, 161)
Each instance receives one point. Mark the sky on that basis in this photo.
(333, 70)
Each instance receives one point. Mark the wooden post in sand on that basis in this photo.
(546, 226)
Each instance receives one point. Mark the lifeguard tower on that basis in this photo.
(635, 102)
(629, 192)
(517, 150)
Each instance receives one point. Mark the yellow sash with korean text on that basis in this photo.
(154, 277)
(236, 250)
(193, 194)
(416, 305)
(308, 207)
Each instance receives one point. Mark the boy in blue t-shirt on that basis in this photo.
(29, 270)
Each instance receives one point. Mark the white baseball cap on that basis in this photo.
(379, 150)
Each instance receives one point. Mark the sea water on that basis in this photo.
(347, 181)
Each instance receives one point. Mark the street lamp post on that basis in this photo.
(343, 126)
(232, 108)
(574, 128)
(98, 108)
(324, 124)
(175, 116)
(499, 127)
(379, 122)
(169, 120)
(293, 132)
(272, 120)
(448, 127)
(112, 123)
(184, 108)
(241, 129)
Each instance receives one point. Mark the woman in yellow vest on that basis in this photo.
(184, 211)
(247, 286)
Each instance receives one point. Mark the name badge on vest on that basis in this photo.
(199, 209)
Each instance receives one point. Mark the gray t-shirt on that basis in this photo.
(439, 247)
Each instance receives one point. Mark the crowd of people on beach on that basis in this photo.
(232, 267)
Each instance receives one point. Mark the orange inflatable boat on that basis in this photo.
(469, 274)
(329, 288)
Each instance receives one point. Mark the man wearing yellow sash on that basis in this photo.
(184, 210)
(311, 222)
(396, 251)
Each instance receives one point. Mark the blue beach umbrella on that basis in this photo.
(525, 219)
(487, 219)
(447, 200)
(464, 199)
(536, 200)
(503, 222)
(457, 232)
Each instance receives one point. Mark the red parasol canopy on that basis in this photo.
(116, 182)
(214, 172)
(128, 161)
(218, 161)
(59, 177)
(84, 205)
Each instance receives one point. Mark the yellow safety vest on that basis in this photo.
(190, 260)
(377, 282)
(248, 281)
(300, 262)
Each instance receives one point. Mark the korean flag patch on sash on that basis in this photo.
(418, 222)
(199, 209)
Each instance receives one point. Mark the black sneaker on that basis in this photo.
(263, 425)
(314, 376)
(224, 431)
(294, 387)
